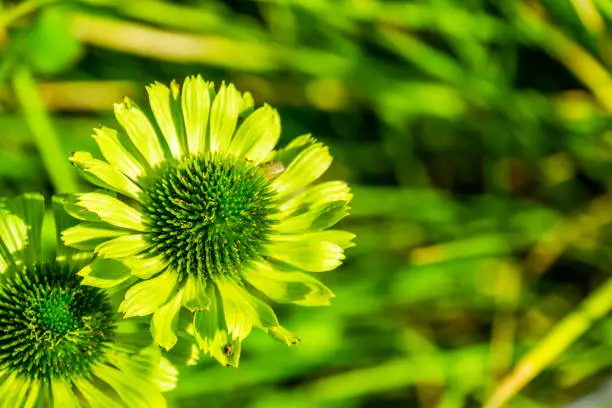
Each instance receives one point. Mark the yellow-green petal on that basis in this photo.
(257, 135)
(246, 104)
(146, 297)
(135, 394)
(159, 98)
(288, 286)
(207, 322)
(280, 334)
(93, 395)
(104, 273)
(167, 375)
(14, 396)
(308, 166)
(13, 238)
(34, 389)
(223, 117)
(195, 100)
(104, 175)
(326, 192)
(116, 154)
(30, 208)
(88, 235)
(195, 296)
(212, 336)
(144, 266)
(112, 211)
(164, 322)
(63, 395)
(124, 246)
(140, 131)
(343, 239)
(7, 386)
(312, 255)
(239, 315)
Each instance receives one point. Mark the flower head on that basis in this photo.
(207, 216)
(61, 343)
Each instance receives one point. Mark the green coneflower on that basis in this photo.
(208, 215)
(61, 343)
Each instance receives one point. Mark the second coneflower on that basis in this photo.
(207, 215)
(62, 344)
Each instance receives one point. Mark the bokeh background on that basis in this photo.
(476, 135)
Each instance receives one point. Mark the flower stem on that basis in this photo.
(55, 161)
(549, 348)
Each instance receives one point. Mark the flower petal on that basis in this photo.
(104, 175)
(146, 297)
(280, 334)
(63, 221)
(63, 395)
(94, 396)
(31, 209)
(257, 135)
(242, 311)
(211, 331)
(195, 100)
(327, 192)
(308, 166)
(223, 117)
(34, 389)
(144, 266)
(247, 104)
(104, 273)
(288, 286)
(195, 296)
(343, 239)
(159, 98)
(116, 154)
(239, 315)
(88, 235)
(310, 254)
(78, 212)
(207, 322)
(137, 394)
(164, 322)
(13, 238)
(14, 395)
(112, 211)
(121, 247)
(167, 375)
(213, 339)
(140, 131)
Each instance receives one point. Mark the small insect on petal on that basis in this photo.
(272, 169)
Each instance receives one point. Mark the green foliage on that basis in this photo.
(476, 135)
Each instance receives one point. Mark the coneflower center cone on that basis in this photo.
(50, 326)
(209, 215)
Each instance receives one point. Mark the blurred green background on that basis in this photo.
(476, 134)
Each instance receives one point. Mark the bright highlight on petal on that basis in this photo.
(257, 135)
(116, 154)
(112, 211)
(159, 95)
(146, 297)
(209, 216)
(104, 175)
(140, 131)
(223, 117)
(288, 286)
(196, 105)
